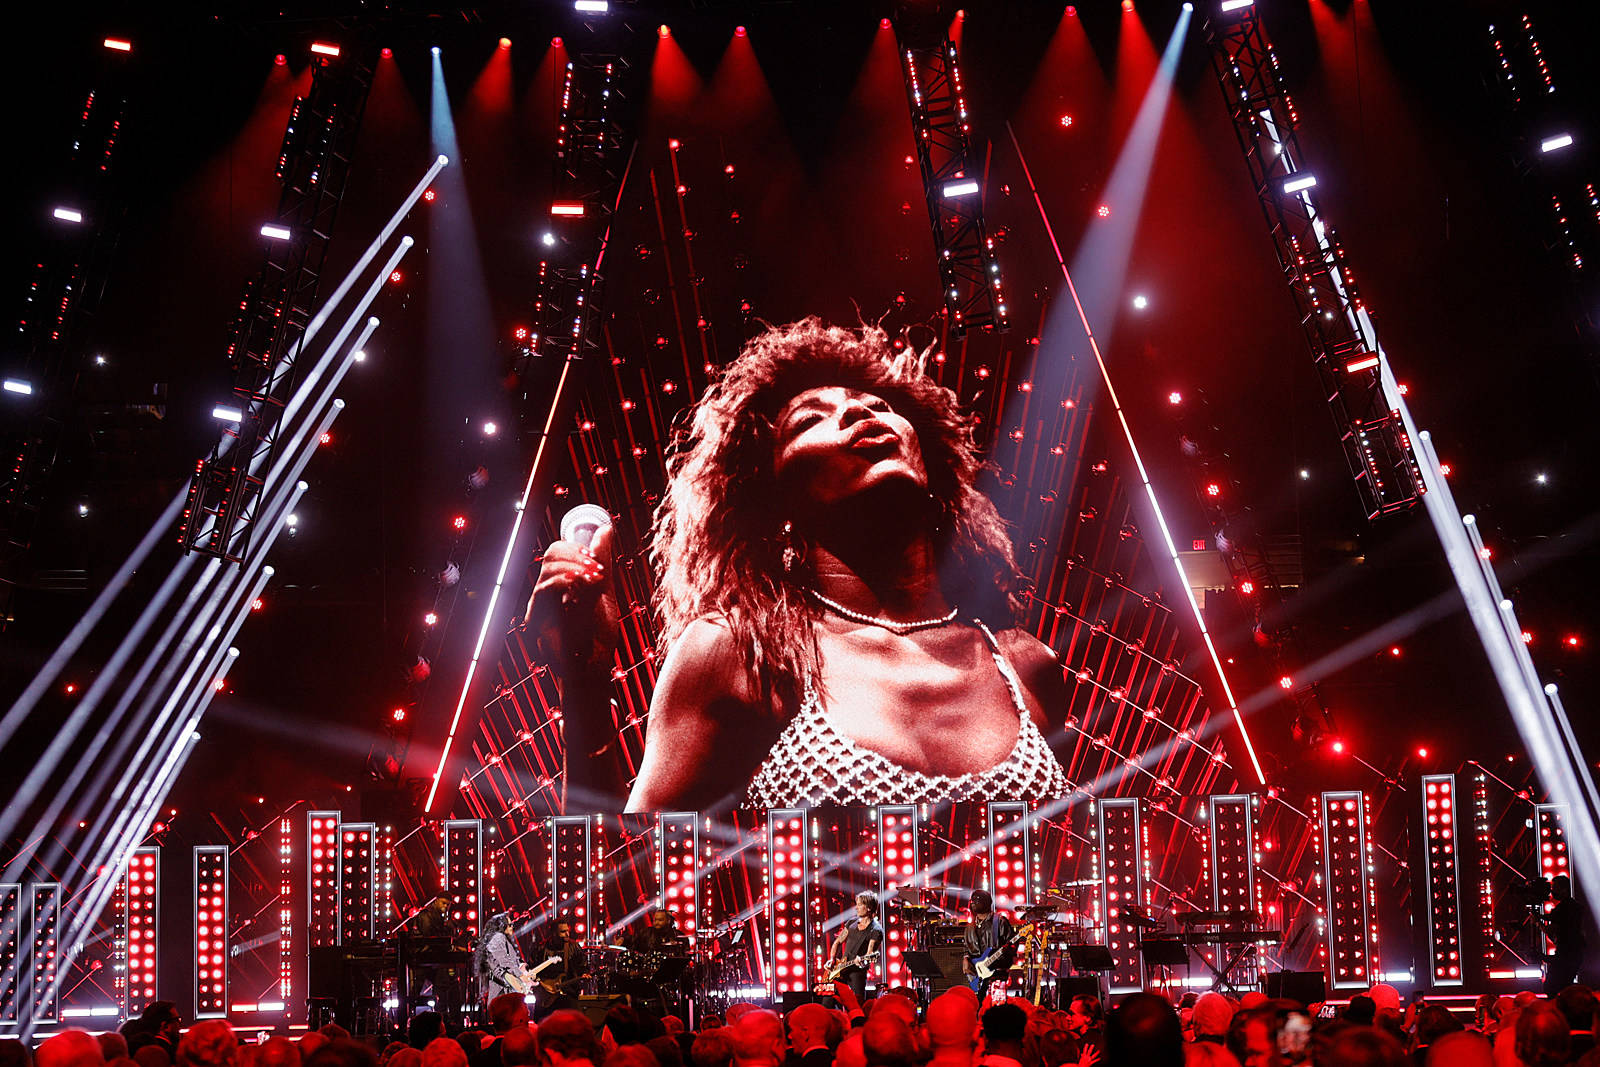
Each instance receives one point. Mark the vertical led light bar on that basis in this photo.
(358, 875)
(1120, 833)
(1551, 820)
(571, 849)
(899, 853)
(44, 909)
(1485, 857)
(1442, 872)
(10, 942)
(788, 946)
(1231, 855)
(463, 871)
(142, 887)
(1351, 954)
(678, 873)
(383, 908)
(285, 908)
(210, 931)
(1010, 853)
(322, 878)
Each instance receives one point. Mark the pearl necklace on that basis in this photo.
(900, 628)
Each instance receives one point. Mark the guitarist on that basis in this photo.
(862, 936)
(567, 976)
(988, 932)
(496, 960)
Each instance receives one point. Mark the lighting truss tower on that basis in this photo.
(313, 164)
(1376, 445)
(952, 181)
(592, 151)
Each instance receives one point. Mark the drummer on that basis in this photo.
(661, 936)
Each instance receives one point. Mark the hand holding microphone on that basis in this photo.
(574, 606)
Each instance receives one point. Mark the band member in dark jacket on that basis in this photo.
(987, 931)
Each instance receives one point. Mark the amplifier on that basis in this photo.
(947, 934)
(948, 957)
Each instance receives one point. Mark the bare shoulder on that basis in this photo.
(1037, 666)
(704, 738)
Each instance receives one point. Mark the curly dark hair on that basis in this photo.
(718, 536)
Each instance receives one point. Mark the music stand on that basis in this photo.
(923, 967)
(670, 970)
(1165, 953)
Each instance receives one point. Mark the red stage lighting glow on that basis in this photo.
(1286, 682)
(459, 522)
(117, 44)
(1072, 11)
(322, 48)
(1422, 753)
(387, 53)
(71, 688)
(1127, 5)
(884, 24)
(396, 277)
(1247, 587)
(430, 618)
(728, 170)
(1066, 120)
(1571, 641)
(1394, 650)
(505, 42)
(664, 30)
(1104, 211)
(673, 144)
(1174, 397)
(740, 31)
(1444, 469)
(556, 42)
(398, 715)
(1213, 489)
(520, 333)
(257, 604)
(326, 438)
(429, 195)
(280, 60)
(1337, 746)
(1527, 637)
(567, 208)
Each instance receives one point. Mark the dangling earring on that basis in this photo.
(792, 557)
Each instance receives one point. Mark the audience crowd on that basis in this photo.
(955, 1030)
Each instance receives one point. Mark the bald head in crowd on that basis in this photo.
(889, 1042)
(952, 1022)
(808, 1028)
(519, 1048)
(70, 1048)
(758, 1039)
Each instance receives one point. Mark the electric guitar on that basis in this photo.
(992, 963)
(524, 982)
(838, 967)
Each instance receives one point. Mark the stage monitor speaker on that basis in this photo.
(1076, 985)
(594, 1008)
(793, 998)
(1305, 987)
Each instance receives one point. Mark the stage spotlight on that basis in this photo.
(116, 44)
(884, 24)
(325, 439)
(740, 31)
(67, 214)
(1213, 489)
(591, 7)
(1571, 641)
(961, 188)
(1542, 478)
(396, 277)
(1364, 361)
(1337, 746)
(1422, 752)
(556, 42)
(434, 49)
(83, 510)
(359, 355)
(664, 30)
(459, 523)
(1174, 397)
(1072, 11)
(323, 49)
(430, 619)
(567, 208)
(398, 715)
(1305, 475)
(1560, 140)
(429, 195)
(224, 413)
(1104, 211)
(280, 60)
(505, 42)
(387, 53)
(1066, 120)
(1299, 182)
(99, 361)
(1141, 302)
(1188, 7)
(1247, 587)
(1235, 5)
(277, 233)
(490, 429)
(1127, 5)
(257, 604)
(549, 239)
(18, 386)
(1394, 650)
(291, 520)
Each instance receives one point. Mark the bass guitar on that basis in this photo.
(987, 967)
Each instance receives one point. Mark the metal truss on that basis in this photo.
(313, 164)
(1379, 452)
(952, 173)
(66, 282)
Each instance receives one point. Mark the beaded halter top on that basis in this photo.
(813, 763)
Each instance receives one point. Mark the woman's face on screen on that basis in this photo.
(836, 442)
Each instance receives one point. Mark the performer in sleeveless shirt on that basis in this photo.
(838, 600)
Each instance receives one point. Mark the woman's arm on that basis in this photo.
(708, 731)
(1043, 686)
